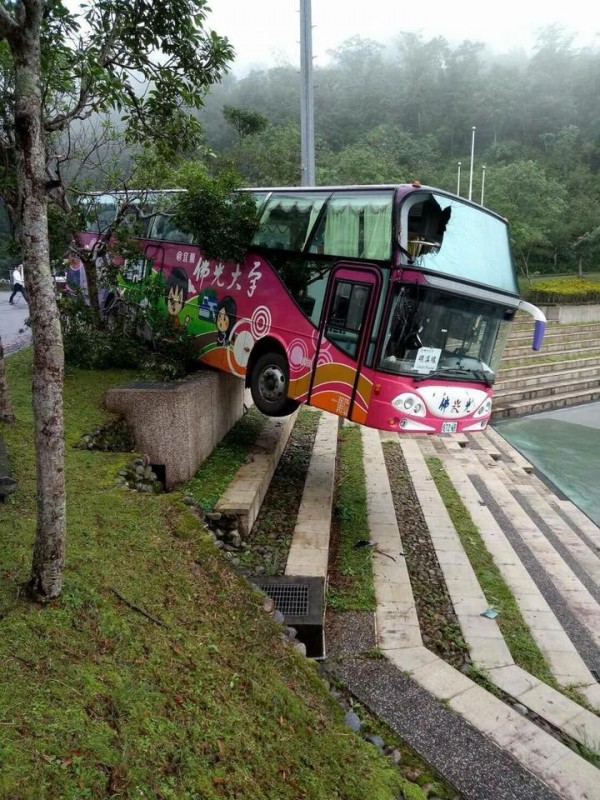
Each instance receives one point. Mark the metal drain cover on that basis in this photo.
(302, 602)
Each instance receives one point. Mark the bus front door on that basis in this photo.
(349, 310)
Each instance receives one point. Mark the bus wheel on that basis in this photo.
(269, 385)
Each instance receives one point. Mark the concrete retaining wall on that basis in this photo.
(572, 314)
(178, 424)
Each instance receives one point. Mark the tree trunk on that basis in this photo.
(580, 267)
(48, 361)
(6, 414)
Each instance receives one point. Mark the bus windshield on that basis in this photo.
(431, 331)
(448, 236)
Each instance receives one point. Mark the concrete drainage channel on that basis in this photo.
(299, 595)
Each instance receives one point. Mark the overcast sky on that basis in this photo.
(266, 32)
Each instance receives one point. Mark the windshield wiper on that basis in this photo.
(483, 375)
(441, 373)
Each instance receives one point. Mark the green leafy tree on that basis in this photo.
(270, 158)
(351, 93)
(244, 121)
(533, 203)
(220, 221)
(148, 61)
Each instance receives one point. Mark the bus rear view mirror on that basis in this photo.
(540, 323)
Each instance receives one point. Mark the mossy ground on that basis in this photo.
(98, 701)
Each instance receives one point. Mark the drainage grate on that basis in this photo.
(301, 601)
(292, 601)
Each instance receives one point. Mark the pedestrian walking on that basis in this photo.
(17, 278)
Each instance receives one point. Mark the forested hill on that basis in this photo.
(384, 116)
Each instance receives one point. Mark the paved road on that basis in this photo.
(13, 330)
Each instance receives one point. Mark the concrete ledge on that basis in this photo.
(249, 486)
(177, 424)
(588, 312)
(309, 551)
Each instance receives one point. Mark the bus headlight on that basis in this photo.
(484, 409)
(409, 403)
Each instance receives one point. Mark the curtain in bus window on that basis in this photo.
(377, 231)
(359, 225)
(314, 213)
(342, 228)
(287, 221)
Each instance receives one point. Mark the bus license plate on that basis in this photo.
(449, 427)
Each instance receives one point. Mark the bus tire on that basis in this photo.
(269, 383)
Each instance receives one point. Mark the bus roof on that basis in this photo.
(401, 189)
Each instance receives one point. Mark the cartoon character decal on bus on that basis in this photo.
(226, 319)
(177, 285)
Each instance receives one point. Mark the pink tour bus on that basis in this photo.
(386, 305)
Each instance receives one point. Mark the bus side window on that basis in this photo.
(101, 211)
(356, 225)
(287, 221)
(163, 228)
(348, 308)
(426, 227)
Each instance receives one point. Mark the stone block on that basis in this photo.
(177, 424)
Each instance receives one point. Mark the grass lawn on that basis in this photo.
(98, 701)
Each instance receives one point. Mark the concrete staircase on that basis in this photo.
(565, 372)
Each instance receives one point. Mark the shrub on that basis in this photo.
(564, 290)
(166, 357)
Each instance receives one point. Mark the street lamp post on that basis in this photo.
(482, 182)
(472, 155)
(458, 180)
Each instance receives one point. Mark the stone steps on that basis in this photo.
(527, 370)
(565, 372)
(571, 344)
(590, 380)
(546, 379)
(522, 327)
(517, 408)
(529, 358)
(561, 655)
(561, 334)
(403, 648)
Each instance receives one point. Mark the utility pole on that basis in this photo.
(307, 107)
